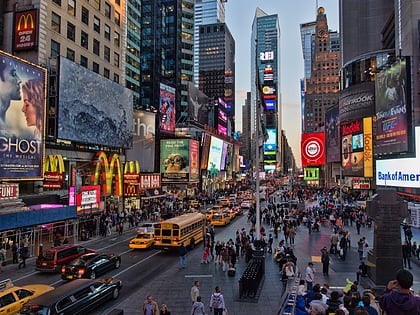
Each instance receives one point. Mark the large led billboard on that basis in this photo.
(92, 108)
(392, 109)
(404, 172)
(197, 104)
(332, 134)
(352, 148)
(205, 147)
(313, 149)
(271, 143)
(311, 173)
(143, 150)
(178, 160)
(22, 118)
(224, 156)
(215, 154)
(357, 101)
(167, 113)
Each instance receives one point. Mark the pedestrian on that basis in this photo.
(150, 307)
(325, 259)
(334, 241)
(309, 276)
(23, 256)
(358, 225)
(164, 310)
(182, 251)
(206, 256)
(402, 301)
(195, 291)
(343, 247)
(270, 244)
(2, 258)
(406, 253)
(15, 252)
(217, 302)
(198, 307)
(57, 241)
(360, 245)
(362, 271)
(225, 258)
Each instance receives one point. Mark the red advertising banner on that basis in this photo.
(9, 191)
(148, 181)
(194, 161)
(25, 29)
(313, 149)
(131, 184)
(88, 199)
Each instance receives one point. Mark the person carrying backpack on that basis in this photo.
(217, 302)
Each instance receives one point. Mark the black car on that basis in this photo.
(72, 298)
(90, 266)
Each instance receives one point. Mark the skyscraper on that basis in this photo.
(265, 63)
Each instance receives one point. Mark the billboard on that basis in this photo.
(332, 130)
(178, 160)
(143, 150)
(197, 104)
(149, 181)
(167, 115)
(367, 147)
(215, 154)
(357, 101)
(352, 145)
(222, 130)
(313, 149)
(22, 118)
(205, 147)
(25, 30)
(224, 156)
(392, 109)
(404, 172)
(311, 173)
(271, 143)
(88, 200)
(92, 108)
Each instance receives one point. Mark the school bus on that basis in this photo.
(189, 228)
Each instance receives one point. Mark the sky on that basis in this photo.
(239, 17)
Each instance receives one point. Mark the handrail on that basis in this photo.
(288, 298)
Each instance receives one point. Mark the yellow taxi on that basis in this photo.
(231, 213)
(209, 213)
(220, 218)
(194, 204)
(13, 297)
(217, 208)
(145, 238)
(223, 202)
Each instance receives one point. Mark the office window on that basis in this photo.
(83, 61)
(117, 39)
(95, 67)
(116, 59)
(107, 10)
(106, 73)
(55, 48)
(117, 18)
(85, 15)
(107, 32)
(55, 22)
(107, 53)
(70, 54)
(116, 78)
(84, 39)
(71, 31)
(96, 24)
(117, 2)
(57, 2)
(71, 7)
(96, 47)
(97, 4)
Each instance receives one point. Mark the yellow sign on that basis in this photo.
(54, 163)
(27, 21)
(105, 170)
(368, 147)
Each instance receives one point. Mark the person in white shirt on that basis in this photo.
(309, 276)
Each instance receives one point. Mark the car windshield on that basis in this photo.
(81, 261)
(143, 235)
(217, 217)
(48, 256)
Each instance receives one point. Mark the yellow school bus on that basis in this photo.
(189, 228)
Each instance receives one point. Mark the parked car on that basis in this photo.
(76, 297)
(90, 266)
(13, 297)
(52, 259)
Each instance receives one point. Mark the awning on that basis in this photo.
(151, 197)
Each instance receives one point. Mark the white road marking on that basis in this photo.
(141, 261)
(57, 282)
(198, 276)
(25, 276)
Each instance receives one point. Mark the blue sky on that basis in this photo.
(239, 17)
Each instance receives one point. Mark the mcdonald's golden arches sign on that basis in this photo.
(26, 24)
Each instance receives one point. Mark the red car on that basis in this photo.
(52, 259)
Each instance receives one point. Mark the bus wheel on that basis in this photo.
(192, 244)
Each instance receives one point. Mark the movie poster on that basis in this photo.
(175, 160)
(167, 109)
(22, 118)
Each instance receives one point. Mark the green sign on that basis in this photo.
(311, 173)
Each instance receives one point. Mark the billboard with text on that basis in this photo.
(313, 149)
(167, 115)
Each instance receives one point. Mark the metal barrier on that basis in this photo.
(251, 278)
(288, 299)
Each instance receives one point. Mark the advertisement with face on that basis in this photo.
(175, 160)
(167, 108)
(332, 130)
(313, 149)
(215, 154)
(22, 118)
(143, 150)
(205, 147)
(392, 109)
(92, 108)
(352, 148)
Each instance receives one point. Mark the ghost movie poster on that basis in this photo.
(22, 118)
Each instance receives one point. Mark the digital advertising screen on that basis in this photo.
(311, 173)
(197, 104)
(167, 112)
(222, 129)
(224, 156)
(143, 149)
(357, 141)
(352, 153)
(194, 161)
(92, 108)
(357, 101)
(271, 143)
(332, 134)
(270, 104)
(392, 109)
(222, 116)
(175, 160)
(205, 147)
(215, 154)
(313, 149)
(22, 118)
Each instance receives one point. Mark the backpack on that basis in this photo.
(216, 301)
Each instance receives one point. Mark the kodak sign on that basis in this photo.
(25, 27)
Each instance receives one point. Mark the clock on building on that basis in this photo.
(322, 32)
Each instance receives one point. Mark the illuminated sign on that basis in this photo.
(313, 149)
(9, 191)
(267, 55)
(149, 181)
(53, 171)
(222, 129)
(25, 29)
(88, 199)
(270, 104)
(352, 151)
(105, 171)
(311, 173)
(222, 116)
(221, 102)
(131, 178)
(215, 154)
(271, 143)
(268, 73)
(368, 147)
(167, 108)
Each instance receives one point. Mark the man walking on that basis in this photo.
(334, 241)
(217, 302)
(309, 276)
(182, 256)
(325, 259)
(195, 291)
(150, 307)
